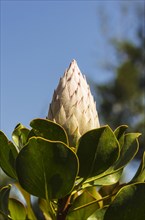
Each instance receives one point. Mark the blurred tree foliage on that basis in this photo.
(122, 100)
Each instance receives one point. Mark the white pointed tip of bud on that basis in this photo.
(72, 64)
(74, 61)
(74, 96)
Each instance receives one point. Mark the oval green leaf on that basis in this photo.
(109, 178)
(85, 204)
(47, 169)
(20, 135)
(140, 174)
(4, 196)
(128, 151)
(98, 214)
(47, 209)
(27, 197)
(98, 149)
(8, 154)
(119, 133)
(129, 204)
(17, 210)
(49, 130)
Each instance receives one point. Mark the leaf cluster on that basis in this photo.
(71, 183)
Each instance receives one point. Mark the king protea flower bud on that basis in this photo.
(73, 105)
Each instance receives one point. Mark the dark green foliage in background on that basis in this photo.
(122, 99)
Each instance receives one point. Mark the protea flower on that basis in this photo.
(73, 105)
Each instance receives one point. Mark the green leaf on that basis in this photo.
(129, 204)
(140, 174)
(47, 209)
(108, 178)
(17, 210)
(81, 208)
(98, 214)
(8, 154)
(98, 149)
(4, 196)
(128, 150)
(47, 169)
(119, 133)
(20, 135)
(26, 195)
(4, 216)
(49, 130)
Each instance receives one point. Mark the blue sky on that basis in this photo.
(38, 41)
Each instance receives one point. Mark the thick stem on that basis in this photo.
(63, 207)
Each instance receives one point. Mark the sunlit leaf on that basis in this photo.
(119, 133)
(49, 130)
(47, 169)
(110, 178)
(98, 149)
(4, 216)
(8, 154)
(98, 214)
(17, 210)
(20, 135)
(27, 197)
(140, 174)
(129, 204)
(47, 209)
(113, 174)
(83, 207)
(4, 196)
(128, 150)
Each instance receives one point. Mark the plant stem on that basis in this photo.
(63, 207)
(90, 203)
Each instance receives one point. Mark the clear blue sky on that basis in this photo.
(38, 41)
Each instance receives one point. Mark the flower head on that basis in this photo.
(73, 105)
